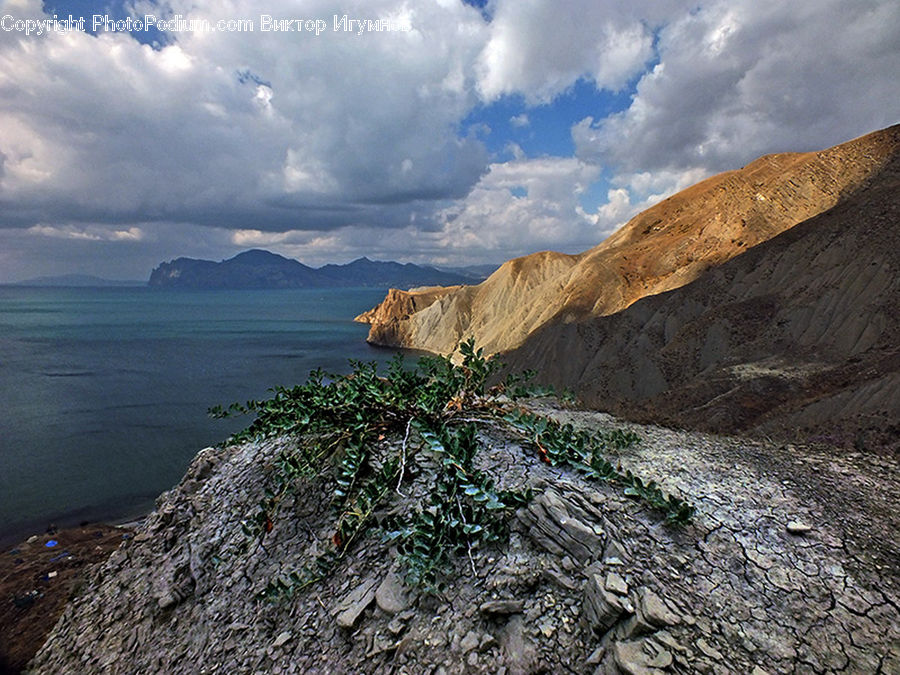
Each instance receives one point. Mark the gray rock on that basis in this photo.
(650, 614)
(616, 584)
(797, 527)
(396, 626)
(502, 607)
(520, 654)
(353, 605)
(641, 657)
(560, 579)
(469, 642)
(655, 611)
(709, 650)
(614, 553)
(666, 639)
(601, 608)
(737, 590)
(561, 526)
(392, 594)
(281, 639)
(596, 656)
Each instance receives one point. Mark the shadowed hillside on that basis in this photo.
(800, 334)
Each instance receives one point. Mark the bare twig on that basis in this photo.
(403, 458)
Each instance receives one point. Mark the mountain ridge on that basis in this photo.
(797, 337)
(258, 269)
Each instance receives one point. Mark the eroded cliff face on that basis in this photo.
(387, 319)
(663, 248)
(799, 336)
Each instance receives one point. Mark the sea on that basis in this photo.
(104, 392)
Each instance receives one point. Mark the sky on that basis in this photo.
(460, 133)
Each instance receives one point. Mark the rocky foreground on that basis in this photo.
(789, 566)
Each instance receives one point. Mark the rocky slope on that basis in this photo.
(665, 247)
(790, 566)
(800, 335)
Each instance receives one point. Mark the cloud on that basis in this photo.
(521, 206)
(87, 233)
(741, 78)
(269, 130)
(333, 146)
(520, 120)
(539, 48)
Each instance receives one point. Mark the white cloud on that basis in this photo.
(522, 206)
(275, 129)
(540, 48)
(520, 120)
(96, 233)
(741, 78)
(330, 147)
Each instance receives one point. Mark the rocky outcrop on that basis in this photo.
(588, 581)
(397, 307)
(665, 247)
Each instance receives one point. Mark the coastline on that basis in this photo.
(122, 518)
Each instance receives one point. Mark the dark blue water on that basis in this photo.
(104, 392)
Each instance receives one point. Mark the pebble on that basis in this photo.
(502, 607)
(469, 642)
(797, 527)
(281, 639)
(709, 650)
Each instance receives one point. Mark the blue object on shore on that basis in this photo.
(51, 543)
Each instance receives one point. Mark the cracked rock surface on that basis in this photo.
(588, 582)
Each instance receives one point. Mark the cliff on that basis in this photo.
(663, 248)
(799, 336)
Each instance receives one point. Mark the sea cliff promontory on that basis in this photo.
(788, 565)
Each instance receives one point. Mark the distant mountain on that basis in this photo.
(78, 280)
(262, 269)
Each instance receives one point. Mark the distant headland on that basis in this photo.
(258, 269)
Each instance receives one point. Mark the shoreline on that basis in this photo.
(130, 520)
